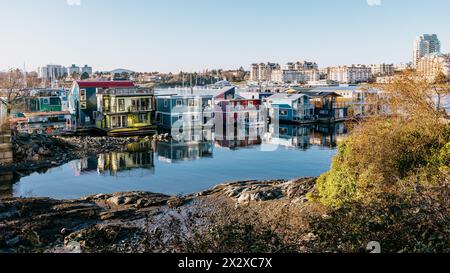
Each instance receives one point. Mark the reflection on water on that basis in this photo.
(138, 156)
(187, 146)
(303, 137)
(6, 184)
(240, 137)
(192, 161)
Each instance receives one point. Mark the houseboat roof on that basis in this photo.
(43, 114)
(196, 91)
(105, 84)
(338, 88)
(321, 94)
(131, 91)
(187, 96)
(286, 96)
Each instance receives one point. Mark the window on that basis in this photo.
(195, 118)
(118, 121)
(145, 104)
(166, 103)
(82, 94)
(55, 101)
(180, 117)
(45, 101)
(121, 103)
(106, 104)
(193, 103)
(143, 118)
(179, 102)
(283, 112)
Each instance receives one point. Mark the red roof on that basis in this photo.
(105, 84)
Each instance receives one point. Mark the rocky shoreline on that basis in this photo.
(121, 222)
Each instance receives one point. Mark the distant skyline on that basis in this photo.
(193, 35)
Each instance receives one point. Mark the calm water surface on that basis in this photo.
(192, 163)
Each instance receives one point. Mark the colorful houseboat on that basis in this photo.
(126, 111)
(182, 112)
(83, 103)
(290, 108)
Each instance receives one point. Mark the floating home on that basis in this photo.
(326, 107)
(182, 112)
(43, 111)
(126, 111)
(290, 108)
(238, 114)
(83, 103)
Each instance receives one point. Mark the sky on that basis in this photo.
(193, 35)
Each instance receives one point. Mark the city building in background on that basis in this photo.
(425, 44)
(431, 65)
(86, 69)
(52, 72)
(263, 72)
(298, 72)
(350, 74)
(382, 70)
(73, 70)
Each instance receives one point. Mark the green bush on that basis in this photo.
(380, 154)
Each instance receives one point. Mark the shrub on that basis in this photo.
(415, 222)
(382, 152)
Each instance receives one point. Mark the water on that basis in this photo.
(192, 163)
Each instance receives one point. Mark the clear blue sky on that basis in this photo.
(174, 35)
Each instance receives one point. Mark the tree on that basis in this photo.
(75, 75)
(12, 86)
(408, 143)
(84, 76)
(441, 78)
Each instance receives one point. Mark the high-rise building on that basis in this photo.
(298, 72)
(52, 72)
(86, 69)
(350, 74)
(263, 72)
(254, 72)
(425, 44)
(74, 69)
(382, 70)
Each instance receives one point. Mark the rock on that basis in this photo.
(14, 241)
(65, 232)
(243, 198)
(117, 200)
(176, 202)
(130, 200)
(44, 152)
(117, 214)
(73, 247)
(9, 214)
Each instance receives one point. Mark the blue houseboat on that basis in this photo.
(184, 111)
